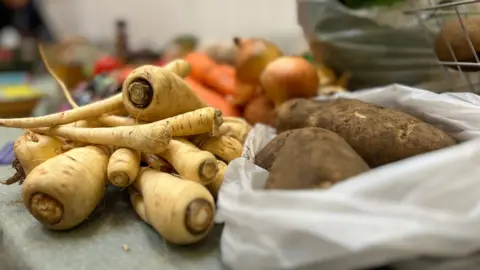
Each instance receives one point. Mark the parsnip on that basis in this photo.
(215, 185)
(123, 167)
(64, 190)
(155, 162)
(235, 127)
(153, 93)
(225, 147)
(31, 150)
(175, 91)
(149, 138)
(204, 120)
(182, 211)
(190, 162)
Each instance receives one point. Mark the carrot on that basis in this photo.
(157, 163)
(123, 167)
(215, 185)
(225, 147)
(205, 70)
(162, 83)
(190, 162)
(212, 98)
(149, 138)
(186, 212)
(64, 190)
(30, 151)
(153, 93)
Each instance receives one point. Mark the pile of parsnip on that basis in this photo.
(171, 151)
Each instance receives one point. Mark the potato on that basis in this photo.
(313, 158)
(267, 155)
(379, 135)
(452, 34)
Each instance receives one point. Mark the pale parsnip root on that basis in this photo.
(187, 209)
(235, 127)
(31, 150)
(155, 162)
(190, 162)
(64, 190)
(214, 186)
(225, 147)
(123, 167)
(81, 113)
(153, 93)
(148, 138)
(204, 120)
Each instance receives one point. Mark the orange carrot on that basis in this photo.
(206, 71)
(212, 98)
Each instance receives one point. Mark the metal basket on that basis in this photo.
(431, 17)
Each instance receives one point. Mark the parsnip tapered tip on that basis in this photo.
(46, 209)
(207, 171)
(199, 216)
(119, 179)
(140, 93)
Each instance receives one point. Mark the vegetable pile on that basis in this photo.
(321, 143)
(170, 152)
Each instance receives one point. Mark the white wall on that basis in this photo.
(156, 21)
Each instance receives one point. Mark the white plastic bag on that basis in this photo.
(424, 205)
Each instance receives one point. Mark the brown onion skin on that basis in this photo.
(289, 77)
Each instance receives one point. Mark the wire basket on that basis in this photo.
(460, 74)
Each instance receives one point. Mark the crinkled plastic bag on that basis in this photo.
(380, 46)
(424, 205)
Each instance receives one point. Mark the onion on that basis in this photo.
(252, 56)
(289, 77)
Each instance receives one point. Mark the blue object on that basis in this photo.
(13, 78)
(7, 156)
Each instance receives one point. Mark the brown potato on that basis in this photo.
(452, 38)
(260, 110)
(267, 155)
(377, 134)
(313, 158)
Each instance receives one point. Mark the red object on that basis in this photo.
(123, 73)
(212, 98)
(106, 64)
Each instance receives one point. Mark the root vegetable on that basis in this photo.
(180, 99)
(267, 155)
(153, 93)
(148, 138)
(81, 113)
(297, 166)
(123, 167)
(186, 210)
(190, 162)
(260, 110)
(204, 120)
(64, 190)
(214, 186)
(379, 135)
(235, 127)
(452, 45)
(31, 150)
(289, 77)
(212, 98)
(225, 147)
(157, 163)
